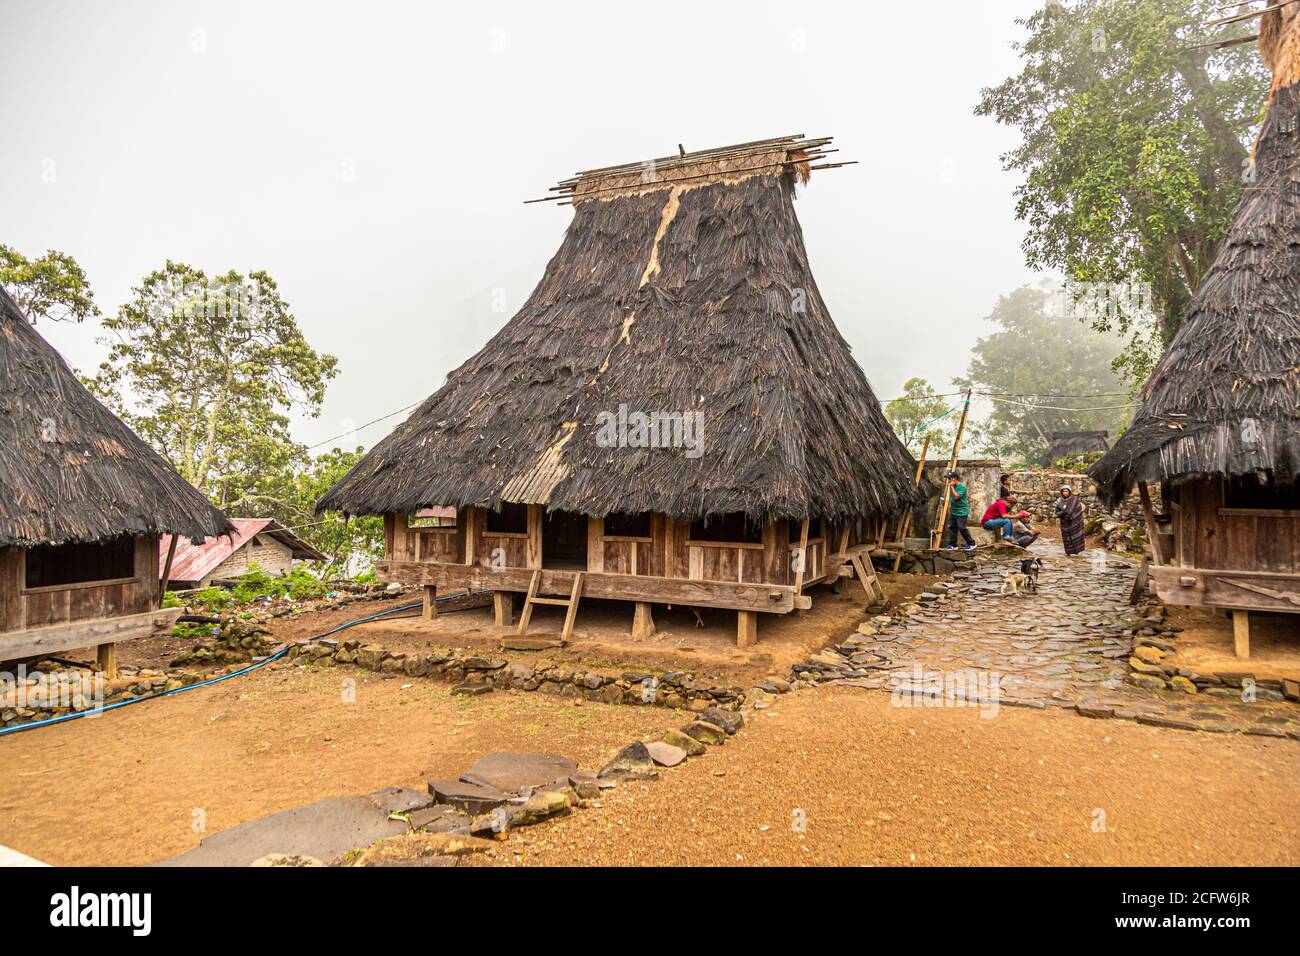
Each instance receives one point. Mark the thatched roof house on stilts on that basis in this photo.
(671, 417)
(1219, 424)
(83, 502)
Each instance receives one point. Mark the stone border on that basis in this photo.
(476, 673)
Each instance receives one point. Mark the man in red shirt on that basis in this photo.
(996, 517)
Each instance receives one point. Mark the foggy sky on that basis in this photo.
(374, 159)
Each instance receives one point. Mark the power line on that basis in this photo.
(353, 431)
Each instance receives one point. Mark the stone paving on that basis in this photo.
(1068, 645)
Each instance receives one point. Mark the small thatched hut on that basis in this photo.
(82, 504)
(1219, 424)
(671, 417)
(1069, 444)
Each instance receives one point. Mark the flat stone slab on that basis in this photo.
(517, 643)
(665, 755)
(402, 799)
(512, 772)
(472, 798)
(325, 830)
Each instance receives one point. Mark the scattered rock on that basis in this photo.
(1182, 684)
(729, 720)
(472, 689)
(675, 738)
(1151, 655)
(539, 807)
(705, 732)
(633, 762)
(665, 755)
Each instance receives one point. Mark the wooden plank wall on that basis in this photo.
(665, 553)
(1213, 537)
(21, 609)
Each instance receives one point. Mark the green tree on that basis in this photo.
(918, 412)
(52, 287)
(290, 496)
(1134, 148)
(213, 367)
(1042, 373)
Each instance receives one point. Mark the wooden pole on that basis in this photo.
(937, 531)
(1149, 517)
(167, 571)
(1241, 632)
(905, 523)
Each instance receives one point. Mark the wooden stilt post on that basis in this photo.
(1241, 632)
(167, 571)
(905, 523)
(946, 499)
(106, 657)
(643, 622)
(430, 610)
(746, 628)
(503, 608)
(1149, 517)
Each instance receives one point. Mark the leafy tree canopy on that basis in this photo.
(52, 287)
(1039, 359)
(919, 412)
(212, 368)
(1133, 147)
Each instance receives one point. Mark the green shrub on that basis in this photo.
(171, 600)
(192, 631)
(212, 599)
(302, 585)
(255, 584)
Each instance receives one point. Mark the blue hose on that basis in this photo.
(215, 680)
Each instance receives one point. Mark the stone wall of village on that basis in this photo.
(1038, 491)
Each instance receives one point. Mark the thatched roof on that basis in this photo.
(1076, 443)
(680, 286)
(1225, 398)
(70, 470)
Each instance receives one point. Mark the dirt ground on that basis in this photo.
(919, 786)
(1206, 644)
(124, 788)
(602, 634)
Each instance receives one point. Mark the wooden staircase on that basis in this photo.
(571, 602)
(861, 562)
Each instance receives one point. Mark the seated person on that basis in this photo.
(995, 518)
(1022, 530)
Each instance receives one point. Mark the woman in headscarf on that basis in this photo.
(1069, 509)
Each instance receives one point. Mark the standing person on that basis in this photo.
(996, 518)
(958, 514)
(1069, 509)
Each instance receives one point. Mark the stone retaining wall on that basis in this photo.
(476, 673)
(1038, 491)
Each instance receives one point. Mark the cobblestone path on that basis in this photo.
(1068, 645)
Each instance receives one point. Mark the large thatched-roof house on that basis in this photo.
(1219, 424)
(82, 503)
(669, 418)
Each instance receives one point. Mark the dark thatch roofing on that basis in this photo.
(1076, 443)
(1225, 398)
(70, 470)
(685, 291)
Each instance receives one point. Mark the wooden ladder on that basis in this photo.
(571, 602)
(867, 575)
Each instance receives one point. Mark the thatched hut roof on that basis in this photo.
(1225, 398)
(71, 470)
(682, 286)
(1076, 443)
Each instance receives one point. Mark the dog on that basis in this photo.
(1026, 577)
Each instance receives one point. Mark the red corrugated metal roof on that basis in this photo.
(193, 562)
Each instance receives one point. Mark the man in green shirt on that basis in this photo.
(958, 514)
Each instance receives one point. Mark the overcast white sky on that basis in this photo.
(374, 158)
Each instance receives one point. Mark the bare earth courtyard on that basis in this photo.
(893, 785)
